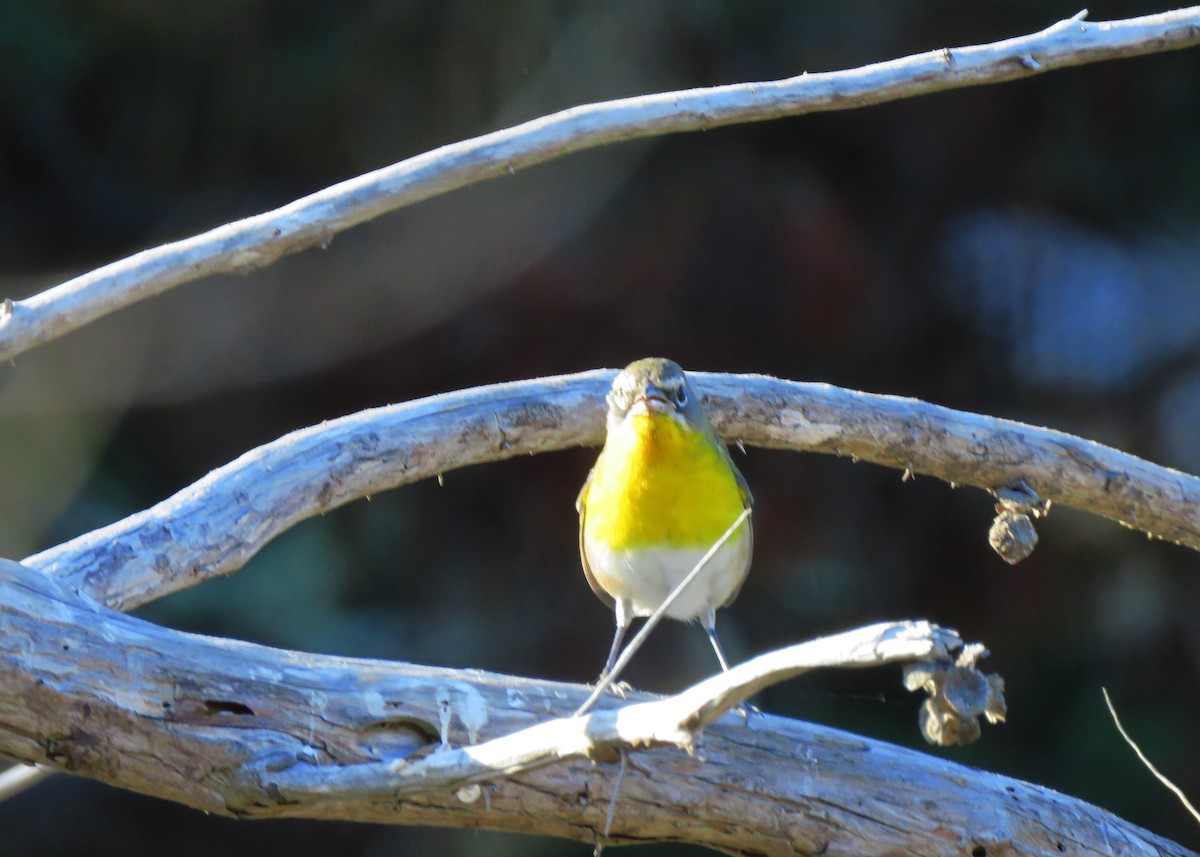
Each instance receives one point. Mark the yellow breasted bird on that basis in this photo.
(662, 493)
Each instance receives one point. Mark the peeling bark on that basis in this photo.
(233, 728)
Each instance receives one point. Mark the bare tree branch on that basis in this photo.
(245, 730)
(672, 721)
(215, 525)
(313, 220)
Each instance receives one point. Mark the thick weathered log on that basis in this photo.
(250, 731)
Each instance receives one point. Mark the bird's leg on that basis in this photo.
(623, 614)
(613, 652)
(709, 621)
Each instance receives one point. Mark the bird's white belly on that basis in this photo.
(644, 578)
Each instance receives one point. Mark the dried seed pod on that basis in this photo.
(958, 696)
(1013, 536)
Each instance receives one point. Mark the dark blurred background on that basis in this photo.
(1030, 250)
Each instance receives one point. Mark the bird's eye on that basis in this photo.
(681, 397)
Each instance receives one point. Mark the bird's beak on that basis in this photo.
(652, 401)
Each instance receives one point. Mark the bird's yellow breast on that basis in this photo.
(659, 482)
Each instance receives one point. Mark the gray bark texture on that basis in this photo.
(248, 731)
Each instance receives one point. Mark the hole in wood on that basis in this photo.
(217, 707)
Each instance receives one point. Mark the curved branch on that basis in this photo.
(217, 524)
(676, 721)
(313, 220)
(246, 730)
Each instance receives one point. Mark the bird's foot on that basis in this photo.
(746, 709)
(620, 688)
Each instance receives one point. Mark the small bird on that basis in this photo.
(662, 493)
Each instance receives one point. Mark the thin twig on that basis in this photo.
(612, 801)
(313, 220)
(1178, 792)
(657, 616)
